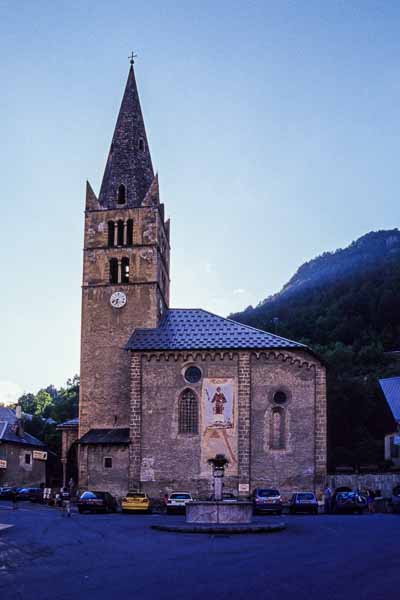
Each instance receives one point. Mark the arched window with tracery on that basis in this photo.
(188, 412)
(277, 428)
(111, 225)
(121, 196)
(113, 270)
(129, 232)
(124, 270)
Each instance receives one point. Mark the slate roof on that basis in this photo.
(25, 439)
(7, 414)
(198, 329)
(9, 430)
(391, 390)
(128, 162)
(106, 436)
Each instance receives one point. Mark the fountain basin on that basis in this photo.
(205, 512)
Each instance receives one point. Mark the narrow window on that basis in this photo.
(120, 233)
(107, 462)
(277, 428)
(113, 270)
(129, 232)
(121, 197)
(111, 225)
(125, 270)
(27, 459)
(188, 417)
(141, 144)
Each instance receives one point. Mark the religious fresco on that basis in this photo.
(219, 423)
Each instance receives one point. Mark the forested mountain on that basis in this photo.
(346, 306)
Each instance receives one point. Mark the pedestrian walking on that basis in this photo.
(328, 499)
(66, 507)
(14, 498)
(371, 502)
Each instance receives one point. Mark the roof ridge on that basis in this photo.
(251, 327)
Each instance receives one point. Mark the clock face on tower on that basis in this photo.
(118, 300)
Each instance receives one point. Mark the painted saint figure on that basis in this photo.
(219, 400)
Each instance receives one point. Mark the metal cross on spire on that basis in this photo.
(132, 57)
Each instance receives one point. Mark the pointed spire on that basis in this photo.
(129, 161)
(152, 198)
(91, 200)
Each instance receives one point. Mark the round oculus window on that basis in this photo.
(193, 374)
(280, 397)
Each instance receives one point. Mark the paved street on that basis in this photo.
(48, 557)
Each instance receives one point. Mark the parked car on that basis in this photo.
(35, 494)
(348, 501)
(177, 502)
(136, 502)
(228, 497)
(6, 493)
(97, 502)
(305, 502)
(23, 493)
(267, 500)
(396, 499)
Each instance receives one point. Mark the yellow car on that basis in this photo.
(135, 502)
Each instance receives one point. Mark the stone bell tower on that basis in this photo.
(125, 268)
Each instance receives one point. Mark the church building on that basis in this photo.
(164, 389)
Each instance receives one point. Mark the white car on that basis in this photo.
(177, 501)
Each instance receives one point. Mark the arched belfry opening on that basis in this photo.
(125, 269)
(113, 270)
(120, 233)
(110, 234)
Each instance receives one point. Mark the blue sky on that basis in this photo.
(274, 126)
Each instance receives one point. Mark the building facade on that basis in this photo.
(22, 456)
(164, 390)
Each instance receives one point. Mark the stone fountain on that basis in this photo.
(215, 511)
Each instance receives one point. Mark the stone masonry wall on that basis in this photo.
(244, 387)
(114, 480)
(18, 473)
(293, 467)
(171, 461)
(373, 481)
(105, 383)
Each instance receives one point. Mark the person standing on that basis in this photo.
(14, 498)
(371, 502)
(328, 499)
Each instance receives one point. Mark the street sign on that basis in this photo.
(244, 487)
(3, 464)
(39, 455)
